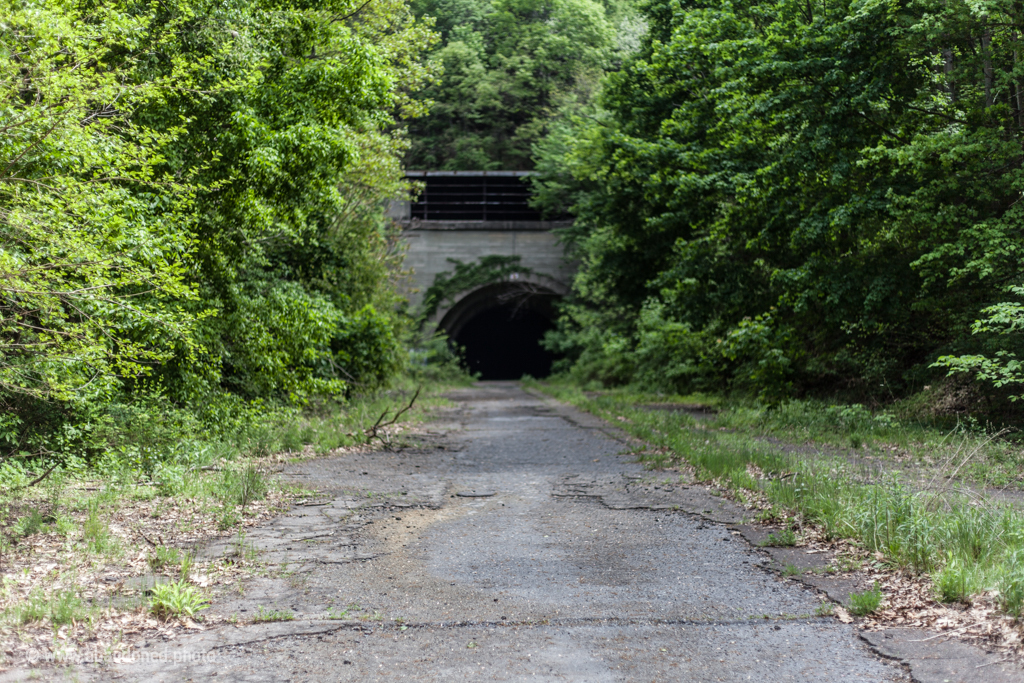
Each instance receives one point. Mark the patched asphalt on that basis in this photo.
(568, 572)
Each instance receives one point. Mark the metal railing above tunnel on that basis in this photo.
(468, 200)
(461, 234)
(473, 196)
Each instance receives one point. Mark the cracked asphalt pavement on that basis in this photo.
(570, 571)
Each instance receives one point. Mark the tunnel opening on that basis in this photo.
(503, 342)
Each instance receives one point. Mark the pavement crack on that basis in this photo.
(283, 636)
(310, 538)
(568, 622)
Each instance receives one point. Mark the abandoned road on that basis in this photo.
(508, 545)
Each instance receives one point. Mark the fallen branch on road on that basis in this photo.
(378, 427)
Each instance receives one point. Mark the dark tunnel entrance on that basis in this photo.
(503, 342)
(501, 325)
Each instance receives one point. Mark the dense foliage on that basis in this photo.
(790, 197)
(510, 68)
(191, 206)
(294, 157)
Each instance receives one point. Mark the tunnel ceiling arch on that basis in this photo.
(531, 292)
(500, 327)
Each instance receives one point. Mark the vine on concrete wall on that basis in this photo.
(487, 270)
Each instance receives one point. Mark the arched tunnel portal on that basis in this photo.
(501, 325)
(460, 218)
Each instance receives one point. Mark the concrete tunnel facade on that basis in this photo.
(464, 216)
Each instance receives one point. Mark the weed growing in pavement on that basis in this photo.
(863, 604)
(825, 609)
(783, 538)
(790, 570)
(188, 560)
(179, 599)
(263, 616)
(246, 551)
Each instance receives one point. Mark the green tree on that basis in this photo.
(94, 233)
(192, 204)
(292, 138)
(806, 197)
(509, 66)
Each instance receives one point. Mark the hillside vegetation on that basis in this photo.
(191, 223)
(788, 199)
(779, 200)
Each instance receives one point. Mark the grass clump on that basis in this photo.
(61, 607)
(180, 599)
(243, 486)
(956, 581)
(65, 607)
(64, 525)
(29, 524)
(95, 531)
(863, 604)
(265, 616)
(163, 558)
(784, 538)
(227, 518)
(1011, 585)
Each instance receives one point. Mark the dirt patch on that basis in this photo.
(409, 524)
